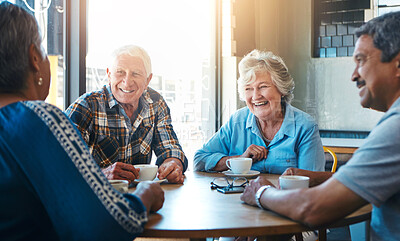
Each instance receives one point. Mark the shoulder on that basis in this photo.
(42, 107)
(240, 117)
(154, 95)
(93, 98)
(90, 102)
(155, 101)
(388, 128)
(241, 114)
(49, 113)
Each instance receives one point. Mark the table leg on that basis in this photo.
(298, 236)
(322, 234)
(282, 237)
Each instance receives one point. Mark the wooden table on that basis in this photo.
(194, 211)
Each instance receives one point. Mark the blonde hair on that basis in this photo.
(265, 62)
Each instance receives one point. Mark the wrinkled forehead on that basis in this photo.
(128, 62)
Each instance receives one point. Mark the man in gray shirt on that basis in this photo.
(372, 174)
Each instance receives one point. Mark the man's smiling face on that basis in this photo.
(374, 78)
(128, 79)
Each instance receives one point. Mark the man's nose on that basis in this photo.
(355, 76)
(128, 78)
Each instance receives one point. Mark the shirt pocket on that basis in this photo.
(280, 162)
(143, 138)
(107, 150)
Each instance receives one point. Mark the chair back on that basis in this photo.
(334, 165)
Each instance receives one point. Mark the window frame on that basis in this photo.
(75, 49)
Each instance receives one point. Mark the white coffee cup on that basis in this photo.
(120, 185)
(147, 172)
(293, 182)
(239, 165)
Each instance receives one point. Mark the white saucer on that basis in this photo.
(155, 180)
(251, 173)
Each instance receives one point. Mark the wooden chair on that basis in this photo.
(333, 154)
(322, 232)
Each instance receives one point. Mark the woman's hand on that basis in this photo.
(257, 153)
(151, 194)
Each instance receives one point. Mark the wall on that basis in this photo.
(323, 86)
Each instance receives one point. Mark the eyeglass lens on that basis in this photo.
(223, 181)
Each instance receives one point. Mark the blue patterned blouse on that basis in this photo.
(50, 186)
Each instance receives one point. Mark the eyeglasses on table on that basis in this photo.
(223, 182)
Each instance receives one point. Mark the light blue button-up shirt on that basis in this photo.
(296, 144)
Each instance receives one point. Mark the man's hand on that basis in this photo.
(248, 196)
(171, 169)
(121, 171)
(257, 153)
(151, 195)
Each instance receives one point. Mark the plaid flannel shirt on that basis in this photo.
(112, 137)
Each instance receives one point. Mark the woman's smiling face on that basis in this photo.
(263, 98)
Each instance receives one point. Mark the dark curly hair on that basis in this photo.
(385, 32)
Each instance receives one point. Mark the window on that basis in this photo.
(179, 36)
(385, 6)
(334, 24)
(49, 15)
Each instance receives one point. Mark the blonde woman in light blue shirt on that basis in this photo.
(269, 130)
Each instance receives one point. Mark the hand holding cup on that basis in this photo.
(147, 172)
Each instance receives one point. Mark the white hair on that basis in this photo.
(134, 51)
(257, 62)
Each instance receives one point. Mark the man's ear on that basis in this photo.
(149, 78)
(108, 74)
(35, 58)
(397, 59)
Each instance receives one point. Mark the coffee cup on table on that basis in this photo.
(120, 185)
(147, 172)
(293, 182)
(239, 165)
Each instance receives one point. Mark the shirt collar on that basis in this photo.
(395, 104)
(145, 99)
(145, 102)
(110, 97)
(288, 125)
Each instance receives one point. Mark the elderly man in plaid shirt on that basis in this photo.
(126, 120)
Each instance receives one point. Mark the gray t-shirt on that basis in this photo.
(374, 174)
